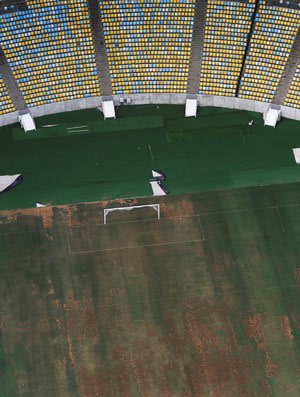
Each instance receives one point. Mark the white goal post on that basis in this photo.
(108, 210)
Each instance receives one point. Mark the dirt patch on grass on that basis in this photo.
(264, 388)
(93, 384)
(214, 338)
(80, 317)
(69, 216)
(286, 328)
(45, 213)
(182, 208)
(297, 275)
(104, 382)
(256, 332)
(283, 389)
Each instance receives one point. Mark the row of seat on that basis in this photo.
(271, 42)
(227, 28)
(6, 105)
(50, 51)
(140, 33)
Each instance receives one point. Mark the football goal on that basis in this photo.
(156, 207)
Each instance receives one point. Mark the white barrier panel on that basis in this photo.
(272, 115)
(191, 108)
(108, 109)
(26, 120)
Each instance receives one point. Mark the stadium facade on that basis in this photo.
(58, 56)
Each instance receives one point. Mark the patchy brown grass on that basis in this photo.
(256, 332)
(286, 328)
(174, 320)
(217, 363)
(45, 213)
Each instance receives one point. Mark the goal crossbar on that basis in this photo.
(108, 210)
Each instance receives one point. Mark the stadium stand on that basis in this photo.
(226, 33)
(50, 51)
(6, 104)
(293, 96)
(242, 48)
(148, 44)
(271, 43)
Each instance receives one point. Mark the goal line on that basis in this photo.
(108, 210)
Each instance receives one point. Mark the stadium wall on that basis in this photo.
(142, 99)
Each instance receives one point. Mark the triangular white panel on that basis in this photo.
(158, 174)
(296, 152)
(9, 181)
(40, 205)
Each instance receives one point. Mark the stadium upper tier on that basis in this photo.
(50, 51)
(55, 51)
(227, 29)
(148, 44)
(270, 45)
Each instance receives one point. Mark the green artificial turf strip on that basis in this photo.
(215, 150)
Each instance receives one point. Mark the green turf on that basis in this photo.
(47, 131)
(204, 301)
(114, 158)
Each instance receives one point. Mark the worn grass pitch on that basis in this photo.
(204, 302)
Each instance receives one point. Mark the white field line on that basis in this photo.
(77, 126)
(68, 242)
(150, 150)
(201, 227)
(237, 210)
(280, 219)
(77, 131)
(154, 219)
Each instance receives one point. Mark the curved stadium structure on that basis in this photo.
(58, 56)
(106, 290)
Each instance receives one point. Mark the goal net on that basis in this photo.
(156, 207)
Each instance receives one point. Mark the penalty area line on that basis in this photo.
(68, 242)
(134, 246)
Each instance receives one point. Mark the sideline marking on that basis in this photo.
(201, 227)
